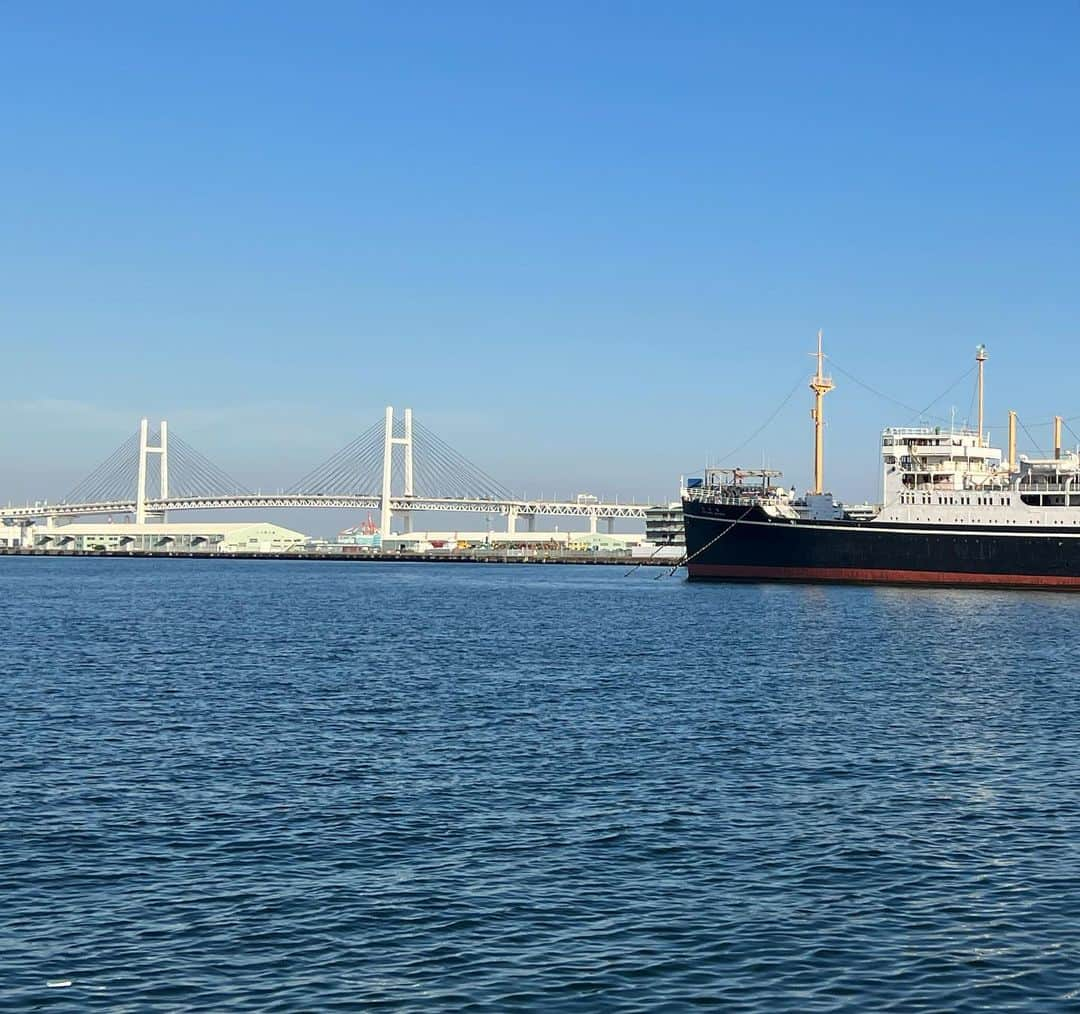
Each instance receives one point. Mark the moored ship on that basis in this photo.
(955, 511)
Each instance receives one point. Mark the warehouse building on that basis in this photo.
(208, 537)
(575, 542)
(10, 536)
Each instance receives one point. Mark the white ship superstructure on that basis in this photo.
(955, 478)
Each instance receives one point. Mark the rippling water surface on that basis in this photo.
(284, 785)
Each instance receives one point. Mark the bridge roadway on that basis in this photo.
(511, 508)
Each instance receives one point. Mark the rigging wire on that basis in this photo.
(917, 413)
(956, 383)
(923, 413)
(1034, 442)
(776, 411)
(873, 390)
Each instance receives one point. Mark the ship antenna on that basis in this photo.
(980, 358)
(820, 385)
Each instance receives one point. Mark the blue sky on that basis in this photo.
(589, 243)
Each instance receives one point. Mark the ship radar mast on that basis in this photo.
(820, 385)
(980, 358)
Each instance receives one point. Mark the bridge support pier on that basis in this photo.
(592, 522)
(511, 520)
(611, 526)
(530, 522)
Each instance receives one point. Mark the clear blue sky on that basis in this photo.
(589, 243)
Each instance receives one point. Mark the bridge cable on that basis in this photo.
(468, 473)
(469, 470)
(123, 461)
(348, 475)
(327, 476)
(196, 467)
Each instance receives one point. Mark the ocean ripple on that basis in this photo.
(280, 785)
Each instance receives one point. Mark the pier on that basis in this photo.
(586, 559)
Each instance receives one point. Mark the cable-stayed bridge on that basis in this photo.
(396, 466)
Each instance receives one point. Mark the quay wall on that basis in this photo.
(461, 556)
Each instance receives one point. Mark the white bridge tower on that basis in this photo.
(389, 442)
(144, 450)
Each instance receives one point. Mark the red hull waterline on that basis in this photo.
(857, 575)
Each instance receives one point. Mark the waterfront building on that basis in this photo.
(573, 542)
(179, 537)
(365, 536)
(664, 525)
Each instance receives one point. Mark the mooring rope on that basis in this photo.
(642, 563)
(686, 559)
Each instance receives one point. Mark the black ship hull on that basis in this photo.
(732, 542)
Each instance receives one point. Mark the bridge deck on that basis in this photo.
(353, 501)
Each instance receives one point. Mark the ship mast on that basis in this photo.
(820, 385)
(980, 358)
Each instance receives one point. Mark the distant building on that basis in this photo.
(180, 537)
(664, 525)
(664, 538)
(579, 542)
(365, 536)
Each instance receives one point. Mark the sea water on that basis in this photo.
(244, 785)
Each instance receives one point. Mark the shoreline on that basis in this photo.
(579, 559)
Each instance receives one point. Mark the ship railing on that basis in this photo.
(971, 487)
(928, 469)
(704, 495)
(909, 431)
(1049, 487)
(928, 431)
